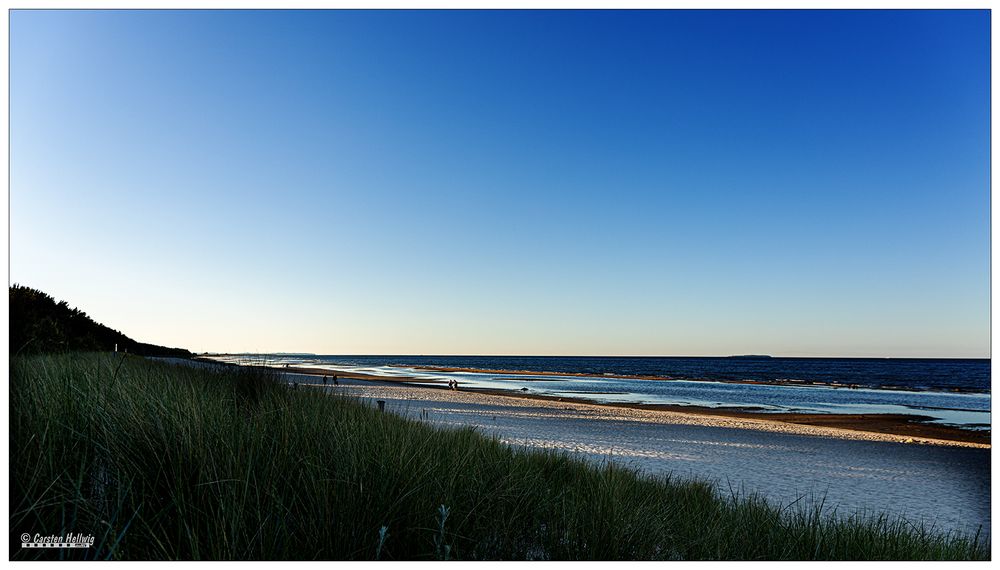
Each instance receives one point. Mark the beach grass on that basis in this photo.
(159, 461)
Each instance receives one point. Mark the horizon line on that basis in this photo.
(746, 356)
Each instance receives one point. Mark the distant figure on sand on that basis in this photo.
(335, 383)
(324, 379)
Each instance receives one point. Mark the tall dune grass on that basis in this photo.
(172, 462)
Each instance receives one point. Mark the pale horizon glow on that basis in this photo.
(509, 183)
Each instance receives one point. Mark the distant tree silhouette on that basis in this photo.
(39, 324)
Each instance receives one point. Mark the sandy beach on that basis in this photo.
(943, 482)
(898, 428)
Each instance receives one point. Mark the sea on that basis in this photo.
(947, 391)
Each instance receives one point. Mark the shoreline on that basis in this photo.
(899, 428)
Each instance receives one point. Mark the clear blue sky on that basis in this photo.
(644, 183)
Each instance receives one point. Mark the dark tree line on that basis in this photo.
(40, 324)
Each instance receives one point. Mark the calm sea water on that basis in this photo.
(906, 373)
(951, 391)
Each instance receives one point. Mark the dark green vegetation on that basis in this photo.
(39, 324)
(174, 462)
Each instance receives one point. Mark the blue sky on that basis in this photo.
(617, 183)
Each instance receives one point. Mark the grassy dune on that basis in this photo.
(166, 462)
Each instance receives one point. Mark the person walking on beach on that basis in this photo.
(335, 383)
(324, 379)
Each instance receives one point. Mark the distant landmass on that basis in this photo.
(38, 323)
